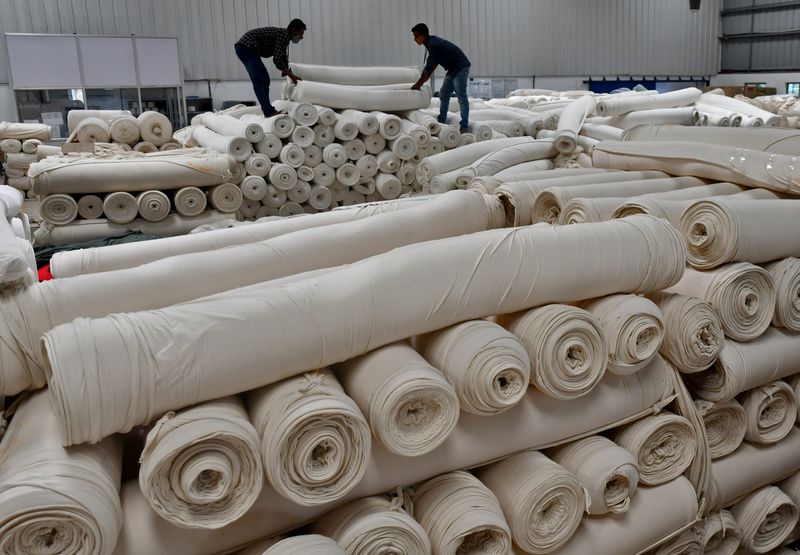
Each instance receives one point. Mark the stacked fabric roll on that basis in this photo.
(17, 262)
(21, 144)
(149, 132)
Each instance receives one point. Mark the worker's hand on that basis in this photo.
(416, 87)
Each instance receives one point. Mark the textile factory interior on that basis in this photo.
(399, 277)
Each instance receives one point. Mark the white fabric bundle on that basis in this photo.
(343, 75)
(313, 156)
(120, 208)
(771, 411)
(633, 329)
(124, 129)
(606, 471)
(345, 130)
(189, 201)
(390, 126)
(688, 543)
(10, 146)
(230, 126)
(678, 116)
(601, 132)
(155, 128)
(373, 526)
(324, 175)
(153, 206)
(237, 147)
(388, 186)
(304, 113)
(655, 513)
(146, 148)
(239, 172)
(311, 544)
(315, 443)
(303, 136)
(508, 157)
(280, 125)
(275, 197)
(52, 499)
(347, 174)
(663, 446)
(283, 176)
(725, 424)
(201, 467)
(361, 98)
(458, 158)
(721, 533)
(615, 105)
(334, 155)
(91, 130)
(355, 149)
(449, 136)
(321, 197)
(735, 105)
(365, 186)
(292, 155)
(542, 501)
(254, 187)
(404, 147)
(640, 254)
(323, 136)
(566, 347)
(300, 193)
(258, 164)
(409, 404)
(22, 131)
(786, 276)
(424, 119)
(743, 366)
(367, 123)
(743, 296)
(249, 209)
(585, 210)
(570, 123)
(670, 205)
(777, 140)
(419, 132)
(90, 207)
(75, 117)
(290, 209)
(226, 197)
(489, 367)
(461, 515)
(509, 128)
(766, 517)
(59, 209)
(374, 144)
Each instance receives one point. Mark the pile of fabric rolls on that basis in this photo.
(21, 144)
(149, 132)
(17, 261)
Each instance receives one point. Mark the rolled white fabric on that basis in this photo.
(301, 112)
(59, 209)
(601, 132)
(91, 130)
(303, 136)
(409, 404)
(315, 443)
(566, 347)
(311, 544)
(426, 120)
(290, 209)
(226, 197)
(300, 193)
(584, 210)
(390, 126)
(155, 128)
(507, 157)
(125, 129)
(725, 423)
(687, 543)
(325, 115)
(269, 146)
(721, 533)
(348, 174)
(323, 135)
(508, 128)
(237, 147)
(266, 211)
(248, 210)
(419, 132)
(154, 206)
(321, 197)
(375, 143)
(766, 517)
(190, 201)
(449, 135)
(460, 514)
(743, 296)
(280, 125)
(275, 197)
(254, 187)
(353, 198)
(90, 207)
(671, 204)
(570, 123)
(313, 155)
(120, 208)
(388, 162)
(283, 176)
(334, 155)
(686, 116)
(258, 164)
(344, 75)
(355, 149)
(361, 98)
(10, 146)
(146, 148)
(746, 108)
(367, 123)
(365, 186)
(407, 173)
(606, 471)
(345, 130)
(779, 141)
(231, 126)
(388, 186)
(489, 367)
(467, 139)
(435, 146)
(238, 174)
(541, 500)
(22, 131)
(404, 147)
(633, 329)
(324, 175)
(292, 155)
(771, 411)
(170, 145)
(614, 105)
(786, 277)
(52, 499)
(201, 467)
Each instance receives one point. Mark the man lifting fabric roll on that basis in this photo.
(454, 61)
(268, 42)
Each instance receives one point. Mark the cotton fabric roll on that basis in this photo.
(365, 186)
(449, 135)
(269, 146)
(59, 209)
(10, 146)
(566, 347)
(311, 544)
(460, 515)
(238, 174)
(324, 175)
(347, 174)
(435, 146)
(125, 129)
(225, 124)
(570, 123)
(303, 113)
(721, 533)
(315, 443)
(407, 173)
(388, 186)
(300, 193)
(543, 502)
(688, 543)
(258, 164)
(280, 125)
(90, 207)
(249, 209)
(155, 128)
(374, 525)
(275, 197)
(237, 147)
(766, 517)
(154, 206)
(786, 277)
(404, 147)
(725, 423)
(323, 136)
(616, 106)
(367, 124)
(420, 133)
(120, 208)
(292, 155)
(146, 148)
(283, 176)
(663, 446)
(170, 145)
(226, 197)
(742, 294)
(254, 187)
(352, 198)
(190, 201)
(91, 130)
(374, 144)
(355, 149)
(290, 209)
(201, 467)
(487, 365)
(585, 210)
(56, 500)
(321, 197)
(312, 156)
(771, 412)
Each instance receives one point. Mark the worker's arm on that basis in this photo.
(426, 74)
(281, 60)
(288, 73)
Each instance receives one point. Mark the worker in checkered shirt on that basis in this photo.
(268, 42)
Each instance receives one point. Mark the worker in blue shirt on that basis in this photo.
(452, 59)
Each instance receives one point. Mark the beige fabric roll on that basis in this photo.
(201, 467)
(292, 155)
(585, 210)
(420, 133)
(281, 125)
(404, 147)
(766, 517)
(283, 176)
(321, 197)
(663, 446)
(655, 513)
(90, 207)
(743, 296)
(347, 174)
(237, 147)
(120, 208)
(155, 128)
(334, 155)
(10, 146)
(455, 159)
(190, 201)
(721, 533)
(170, 145)
(154, 206)
(693, 335)
(461, 515)
(367, 123)
(355, 149)
(374, 526)
(22, 131)
(374, 143)
(542, 501)
(614, 105)
(388, 186)
(270, 146)
(59, 209)
(410, 406)
(771, 411)
(238, 173)
(786, 276)
(258, 164)
(290, 209)
(300, 193)
(566, 347)
(311, 544)
(90, 130)
(125, 129)
(725, 423)
(365, 186)
(324, 175)
(313, 155)
(304, 113)
(633, 329)
(227, 125)
(488, 366)
(56, 500)
(315, 443)
(275, 198)
(570, 123)
(226, 197)
(791, 487)
(779, 141)
(254, 187)
(606, 471)
(390, 126)
(345, 130)
(248, 210)
(743, 366)
(449, 136)
(145, 148)
(259, 547)
(323, 136)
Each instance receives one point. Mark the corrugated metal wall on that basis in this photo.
(502, 37)
(761, 35)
